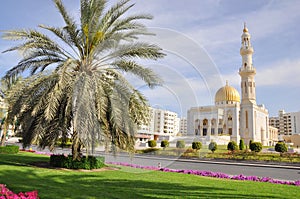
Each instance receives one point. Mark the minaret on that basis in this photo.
(247, 71)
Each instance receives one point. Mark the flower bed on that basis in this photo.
(211, 174)
(5, 193)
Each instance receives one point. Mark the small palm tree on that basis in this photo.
(84, 94)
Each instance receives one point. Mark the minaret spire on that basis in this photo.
(247, 71)
(245, 28)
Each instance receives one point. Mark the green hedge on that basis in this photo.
(90, 162)
(256, 147)
(196, 145)
(11, 149)
(152, 143)
(180, 144)
(232, 146)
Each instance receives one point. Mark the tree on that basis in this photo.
(255, 146)
(232, 146)
(196, 145)
(213, 146)
(241, 145)
(164, 143)
(281, 147)
(84, 95)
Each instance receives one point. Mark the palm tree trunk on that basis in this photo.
(4, 133)
(76, 146)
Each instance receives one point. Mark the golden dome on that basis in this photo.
(227, 93)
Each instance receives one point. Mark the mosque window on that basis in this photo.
(204, 132)
(212, 131)
(220, 131)
(230, 131)
(229, 118)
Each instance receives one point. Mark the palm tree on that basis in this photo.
(85, 94)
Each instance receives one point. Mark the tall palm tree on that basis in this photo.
(85, 94)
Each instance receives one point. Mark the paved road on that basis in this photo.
(231, 168)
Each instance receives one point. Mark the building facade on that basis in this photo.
(183, 126)
(163, 124)
(232, 115)
(286, 123)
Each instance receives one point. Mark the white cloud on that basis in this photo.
(284, 73)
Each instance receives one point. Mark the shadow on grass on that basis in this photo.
(52, 183)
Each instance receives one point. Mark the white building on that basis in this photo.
(183, 126)
(162, 125)
(286, 123)
(239, 118)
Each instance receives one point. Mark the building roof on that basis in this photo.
(227, 93)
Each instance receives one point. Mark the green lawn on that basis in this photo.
(126, 183)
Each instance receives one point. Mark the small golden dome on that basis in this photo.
(227, 93)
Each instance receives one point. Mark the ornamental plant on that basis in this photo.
(164, 143)
(280, 147)
(241, 145)
(196, 145)
(180, 144)
(5, 193)
(232, 146)
(256, 147)
(152, 143)
(213, 146)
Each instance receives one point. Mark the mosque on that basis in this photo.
(234, 116)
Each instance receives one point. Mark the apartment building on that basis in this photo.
(162, 124)
(183, 126)
(286, 123)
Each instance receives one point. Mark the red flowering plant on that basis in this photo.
(5, 193)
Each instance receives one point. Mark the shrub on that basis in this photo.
(213, 146)
(90, 162)
(164, 143)
(255, 146)
(152, 143)
(180, 144)
(250, 141)
(10, 149)
(232, 146)
(196, 145)
(241, 145)
(281, 147)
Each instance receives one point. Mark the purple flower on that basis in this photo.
(212, 174)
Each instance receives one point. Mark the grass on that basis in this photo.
(19, 176)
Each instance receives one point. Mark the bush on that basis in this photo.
(196, 145)
(232, 146)
(90, 162)
(213, 146)
(10, 149)
(281, 147)
(180, 144)
(152, 143)
(164, 143)
(255, 146)
(241, 145)
(250, 141)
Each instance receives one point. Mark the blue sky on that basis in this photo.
(202, 40)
